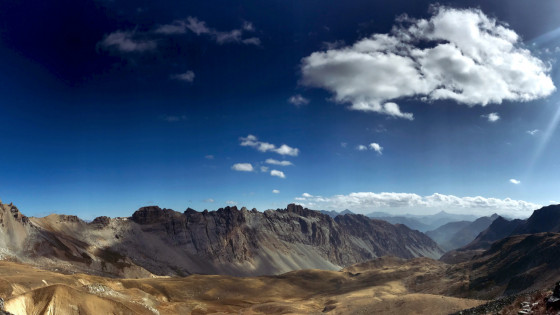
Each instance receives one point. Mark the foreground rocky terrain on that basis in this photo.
(382, 286)
(227, 241)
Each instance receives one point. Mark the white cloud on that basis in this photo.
(372, 146)
(252, 141)
(187, 76)
(277, 173)
(264, 169)
(460, 55)
(533, 132)
(306, 195)
(198, 27)
(231, 203)
(276, 162)
(248, 26)
(275, 191)
(343, 144)
(126, 42)
(252, 41)
(492, 117)
(376, 147)
(298, 100)
(177, 27)
(400, 203)
(209, 157)
(515, 181)
(242, 167)
(210, 200)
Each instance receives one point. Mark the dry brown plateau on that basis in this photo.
(382, 286)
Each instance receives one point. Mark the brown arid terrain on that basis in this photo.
(161, 261)
(382, 286)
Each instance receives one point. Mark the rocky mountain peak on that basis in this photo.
(12, 210)
(101, 222)
(152, 214)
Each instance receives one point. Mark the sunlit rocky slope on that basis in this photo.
(228, 241)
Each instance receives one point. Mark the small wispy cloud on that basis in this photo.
(376, 147)
(372, 146)
(277, 173)
(199, 28)
(209, 157)
(242, 167)
(515, 181)
(187, 76)
(126, 42)
(533, 132)
(231, 203)
(276, 162)
(209, 200)
(298, 100)
(248, 26)
(252, 141)
(492, 117)
(275, 191)
(264, 169)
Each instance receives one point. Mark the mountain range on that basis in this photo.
(230, 241)
(422, 223)
(453, 235)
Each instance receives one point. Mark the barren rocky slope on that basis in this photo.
(227, 241)
(384, 286)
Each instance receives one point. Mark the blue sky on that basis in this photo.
(107, 106)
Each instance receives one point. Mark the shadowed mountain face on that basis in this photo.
(499, 229)
(227, 241)
(457, 234)
(516, 263)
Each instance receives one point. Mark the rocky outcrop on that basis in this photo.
(100, 222)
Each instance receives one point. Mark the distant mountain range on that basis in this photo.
(228, 241)
(453, 235)
(546, 219)
(422, 223)
(334, 214)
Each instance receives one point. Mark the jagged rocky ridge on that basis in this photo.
(226, 241)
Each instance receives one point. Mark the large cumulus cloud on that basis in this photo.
(460, 55)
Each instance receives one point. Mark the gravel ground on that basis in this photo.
(495, 306)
